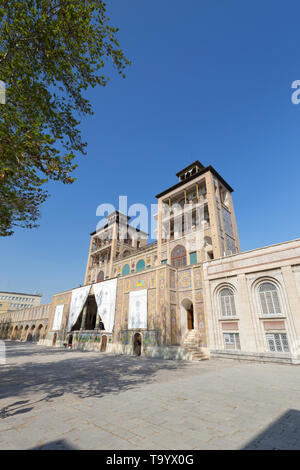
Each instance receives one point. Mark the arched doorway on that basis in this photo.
(31, 334)
(137, 344)
(14, 337)
(178, 256)
(70, 341)
(24, 337)
(39, 332)
(190, 318)
(54, 339)
(20, 333)
(103, 343)
(187, 316)
(10, 332)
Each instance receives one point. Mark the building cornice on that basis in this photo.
(196, 175)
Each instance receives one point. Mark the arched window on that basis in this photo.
(100, 276)
(140, 265)
(125, 270)
(178, 257)
(269, 299)
(227, 303)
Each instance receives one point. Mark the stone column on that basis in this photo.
(97, 326)
(113, 249)
(234, 223)
(88, 262)
(83, 321)
(159, 231)
(246, 328)
(294, 303)
(213, 215)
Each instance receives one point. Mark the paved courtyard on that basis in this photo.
(59, 399)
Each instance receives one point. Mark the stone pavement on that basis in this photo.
(60, 399)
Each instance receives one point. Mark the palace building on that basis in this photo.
(192, 294)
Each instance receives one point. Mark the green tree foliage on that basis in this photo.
(51, 51)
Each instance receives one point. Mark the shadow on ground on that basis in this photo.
(84, 375)
(282, 434)
(15, 409)
(61, 444)
(16, 349)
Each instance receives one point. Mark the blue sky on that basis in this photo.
(210, 80)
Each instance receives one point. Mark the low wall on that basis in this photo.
(283, 358)
(160, 352)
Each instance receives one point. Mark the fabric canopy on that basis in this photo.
(78, 300)
(105, 295)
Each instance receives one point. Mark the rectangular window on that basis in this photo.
(270, 303)
(232, 341)
(193, 258)
(278, 342)
(163, 261)
(228, 306)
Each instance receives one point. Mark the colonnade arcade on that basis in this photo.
(23, 332)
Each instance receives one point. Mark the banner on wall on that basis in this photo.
(138, 309)
(78, 300)
(58, 317)
(105, 295)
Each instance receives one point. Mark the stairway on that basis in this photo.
(191, 347)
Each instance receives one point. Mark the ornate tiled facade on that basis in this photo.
(203, 296)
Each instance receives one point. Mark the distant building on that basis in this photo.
(11, 301)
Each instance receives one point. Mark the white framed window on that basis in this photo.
(277, 342)
(232, 340)
(227, 303)
(269, 299)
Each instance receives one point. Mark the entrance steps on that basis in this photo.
(189, 344)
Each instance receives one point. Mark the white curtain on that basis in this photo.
(105, 295)
(78, 300)
(58, 317)
(138, 309)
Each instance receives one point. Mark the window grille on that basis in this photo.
(178, 257)
(232, 341)
(277, 342)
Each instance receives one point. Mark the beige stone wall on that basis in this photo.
(244, 273)
(4, 307)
